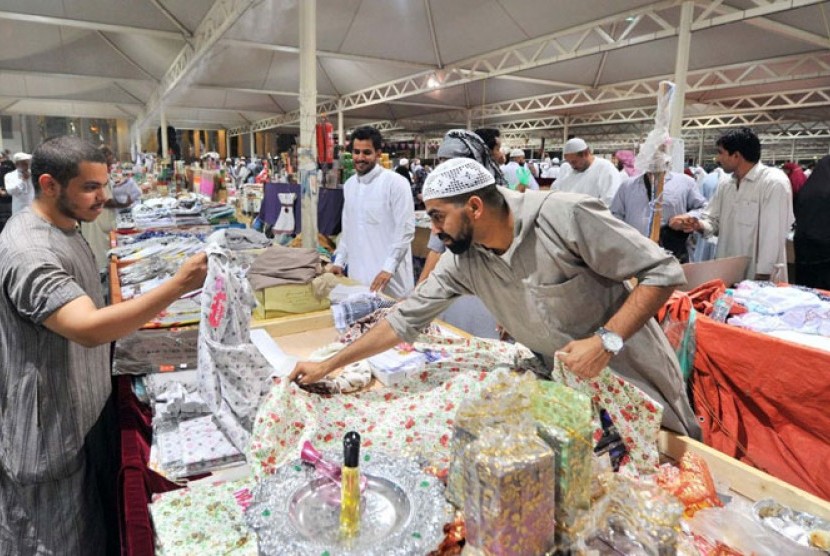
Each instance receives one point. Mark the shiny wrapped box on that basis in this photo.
(564, 420)
(509, 493)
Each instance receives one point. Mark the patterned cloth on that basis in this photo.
(413, 419)
(232, 372)
(203, 519)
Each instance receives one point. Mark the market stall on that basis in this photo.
(221, 502)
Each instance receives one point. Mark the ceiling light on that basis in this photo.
(433, 82)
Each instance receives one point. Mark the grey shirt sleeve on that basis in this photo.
(37, 285)
(433, 296)
(613, 249)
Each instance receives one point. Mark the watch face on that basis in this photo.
(612, 342)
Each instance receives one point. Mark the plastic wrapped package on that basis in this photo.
(632, 517)
(154, 351)
(509, 494)
(505, 402)
(691, 482)
(564, 420)
(654, 154)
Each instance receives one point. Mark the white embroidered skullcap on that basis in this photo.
(554, 160)
(21, 157)
(516, 152)
(404, 161)
(575, 145)
(454, 177)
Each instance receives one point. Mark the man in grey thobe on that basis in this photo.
(551, 267)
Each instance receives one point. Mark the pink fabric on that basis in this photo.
(627, 159)
(796, 175)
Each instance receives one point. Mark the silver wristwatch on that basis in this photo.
(611, 341)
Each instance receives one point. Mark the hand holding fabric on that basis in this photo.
(585, 358)
(191, 276)
(380, 281)
(308, 372)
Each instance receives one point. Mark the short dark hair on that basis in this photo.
(489, 136)
(60, 156)
(367, 132)
(490, 196)
(741, 140)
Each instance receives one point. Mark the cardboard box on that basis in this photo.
(288, 299)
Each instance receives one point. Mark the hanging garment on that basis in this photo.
(285, 221)
(233, 374)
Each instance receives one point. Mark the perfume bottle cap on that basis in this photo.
(351, 449)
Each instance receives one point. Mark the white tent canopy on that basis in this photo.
(534, 68)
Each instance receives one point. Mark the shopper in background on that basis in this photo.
(634, 202)
(752, 212)
(589, 175)
(403, 169)
(553, 170)
(378, 221)
(552, 268)
(812, 229)
(517, 172)
(492, 138)
(6, 167)
(97, 232)
(796, 175)
(58, 469)
(625, 164)
(19, 183)
(706, 247)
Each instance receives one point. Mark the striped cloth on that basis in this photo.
(52, 392)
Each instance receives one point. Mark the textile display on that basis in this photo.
(330, 211)
(285, 221)
(155, 351)
(765, 403)
(185, 521)
(272, 205)
(636, 416)
(233, 374)
(280, 265)
(415, 418)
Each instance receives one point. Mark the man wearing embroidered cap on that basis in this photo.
(19, 183)
(551, 267)
(517, 172)
(590, 175)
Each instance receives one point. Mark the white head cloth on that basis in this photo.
(515, 153)
(456, 177)
(575, 145)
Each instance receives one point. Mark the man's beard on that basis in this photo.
(462, 243)
(68, 209)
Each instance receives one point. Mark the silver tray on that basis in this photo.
(792, 524)
(403, 510)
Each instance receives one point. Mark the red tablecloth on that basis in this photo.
(137, 483)
(761, 400)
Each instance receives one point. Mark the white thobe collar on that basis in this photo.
(371, 175)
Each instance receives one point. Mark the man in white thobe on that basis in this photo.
(378, 222)
(592, 176)
(517, 172)
(752, 211)
(19, 183)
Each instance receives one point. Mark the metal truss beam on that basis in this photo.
(750, 104)
(638, 27)
(90, 25)
(219, 18)
(762, 72)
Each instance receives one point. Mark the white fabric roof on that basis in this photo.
(419, 67)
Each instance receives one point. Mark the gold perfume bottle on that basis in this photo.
(350, 486)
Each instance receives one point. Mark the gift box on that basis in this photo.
(505, 402)
(288, 299)
(509, 501)
(564, 420)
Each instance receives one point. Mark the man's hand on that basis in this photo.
(191, 276)
(307, 372)
(337, 270)
(685, 223)
(585, 358)
(380, 281)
